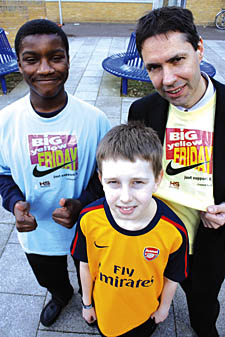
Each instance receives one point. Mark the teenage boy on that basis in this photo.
(187, 111)
(133, 249)
(48, 142)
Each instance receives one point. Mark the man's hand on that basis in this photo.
(25, 222)
(214, 217)
(68, 214)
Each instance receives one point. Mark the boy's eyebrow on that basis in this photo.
(32, 52)
(140, 178)
(133, 178)
(109, 178)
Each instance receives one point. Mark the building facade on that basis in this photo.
(13, 13)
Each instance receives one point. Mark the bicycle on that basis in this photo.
(220, 19)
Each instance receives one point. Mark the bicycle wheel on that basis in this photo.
(220, 20)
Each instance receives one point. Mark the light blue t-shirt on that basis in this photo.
(50, 159)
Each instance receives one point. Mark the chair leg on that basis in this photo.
(124, 86)
(3, 83)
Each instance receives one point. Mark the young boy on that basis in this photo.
(133, 249)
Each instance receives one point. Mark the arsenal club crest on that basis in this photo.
(151, 253)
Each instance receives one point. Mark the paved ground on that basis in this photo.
(21, 298)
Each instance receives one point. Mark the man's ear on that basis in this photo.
(200, 50)
(158, 181)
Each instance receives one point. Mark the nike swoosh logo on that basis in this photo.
(39, 174)
(100, 246)
(173, 171)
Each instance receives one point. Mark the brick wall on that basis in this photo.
(205, 11)
(14, 13)
(97, 12)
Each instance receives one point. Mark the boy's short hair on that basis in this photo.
(39, 26)
(131, 141)
(164, 20)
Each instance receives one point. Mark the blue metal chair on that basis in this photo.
(129, 65)
(8, 59)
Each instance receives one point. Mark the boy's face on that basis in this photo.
(173, 66)
(128, 188)
(44, 64)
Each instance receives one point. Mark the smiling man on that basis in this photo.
(187, 111)
(48, 142)
(173, 66)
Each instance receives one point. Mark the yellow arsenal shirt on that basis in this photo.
(127, 267)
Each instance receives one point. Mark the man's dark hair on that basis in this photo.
(131, 141)
(39, 26)
(164, 20)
